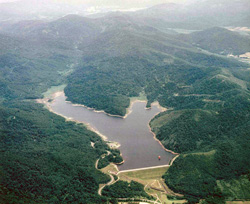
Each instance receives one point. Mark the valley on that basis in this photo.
(138, 148)
(120, 89)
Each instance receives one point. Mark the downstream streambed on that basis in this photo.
(138, 147)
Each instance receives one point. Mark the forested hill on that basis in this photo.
(105, 61)
(120, 64)
(220, 40)
(44, 159)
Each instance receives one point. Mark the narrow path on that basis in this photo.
(154, 195)
(136, 200)
(166, 190)
(172, 161)
(103, 156)
(112, 181)
(96, 164)
(157, 199)
(108, 184)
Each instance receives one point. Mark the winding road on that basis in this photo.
(112, 181)
(108, 184)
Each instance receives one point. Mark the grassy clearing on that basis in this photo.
(153, 182)
(148, 174)
(163, 197)
(110, 168)
(158, 122)
(210, 153)
(142, 97)
(54, 89)
(66, 72)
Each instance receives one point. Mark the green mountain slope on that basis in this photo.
(210, 115)
(44, 159)
(122, 63)
(221, 41)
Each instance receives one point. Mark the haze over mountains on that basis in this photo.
(192, 15)
(177, 54)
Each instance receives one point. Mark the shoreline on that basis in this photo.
(128, 110)
(167, 150)
(162, 110)
(46, 102)
(49, 100)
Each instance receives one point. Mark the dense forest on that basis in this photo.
(113, 156)
(46, 159)
(107, 84)
(210, 127)
(124, 189)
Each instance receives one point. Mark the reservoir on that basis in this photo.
(138, 147)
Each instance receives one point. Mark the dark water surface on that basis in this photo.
(138, 147)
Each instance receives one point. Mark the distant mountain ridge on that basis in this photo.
(199, 15)
(220, 40)
(194, 16)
